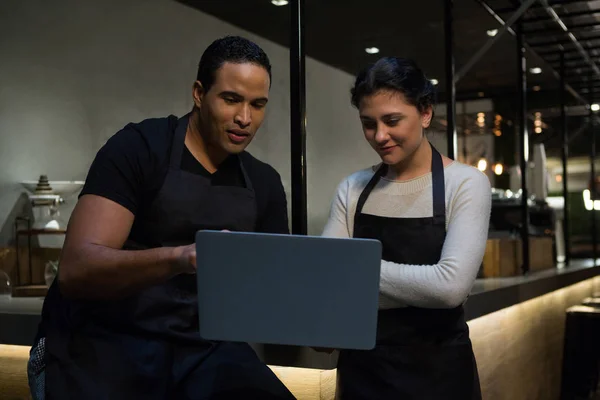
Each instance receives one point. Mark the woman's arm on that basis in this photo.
(447, 283)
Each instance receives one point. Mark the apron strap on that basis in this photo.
(247, 181)
(437, 183)
(178, 142)
(438, 186)
(381, 171)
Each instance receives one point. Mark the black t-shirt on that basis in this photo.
(132, 166)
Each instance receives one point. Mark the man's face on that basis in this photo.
(233, 109)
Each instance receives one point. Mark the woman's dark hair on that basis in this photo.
(233, 49)
(395, 74)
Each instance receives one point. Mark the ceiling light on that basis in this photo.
(279, 2)
(595, 107)
(535, 70)
(498, 169)
(372, 50)
(492, 32)
(536, 88)
(434, 81)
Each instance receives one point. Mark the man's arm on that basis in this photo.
(126, 170)
(92, 264)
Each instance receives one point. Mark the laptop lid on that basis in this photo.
(288, 289)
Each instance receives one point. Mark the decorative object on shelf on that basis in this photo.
(46, 196)
(50, 272)
(5, 284)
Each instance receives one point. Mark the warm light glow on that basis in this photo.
(434, 81)
(595, 107)
(538, 122)
(492, 32)
(535, 70)
(558, 178)
(497, 124)
(529, 333)
(589, 204)
(498, 169)
(481, 119)
(481, 94)
(482, 165)
(536, 88)
(372, 50)
(279, 2)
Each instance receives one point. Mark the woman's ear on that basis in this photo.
(198, 93)
(426, 117)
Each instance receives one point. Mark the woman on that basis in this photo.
(431, 215)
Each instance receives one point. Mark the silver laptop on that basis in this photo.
(288, 289)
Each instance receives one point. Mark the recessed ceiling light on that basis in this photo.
(536, 88)
(535, 70)
(372, 50)
(434, 81)
(492, 32)
(279, 2)
(595, 107)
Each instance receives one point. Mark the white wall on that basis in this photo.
(73, 72)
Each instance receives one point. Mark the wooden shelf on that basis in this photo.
(30, 291)
(41, 232)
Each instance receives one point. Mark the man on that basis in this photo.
(121, 320)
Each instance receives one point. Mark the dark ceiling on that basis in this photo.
(337, 33)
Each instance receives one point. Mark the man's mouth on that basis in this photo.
(237, 135)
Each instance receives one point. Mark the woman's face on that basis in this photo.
(392, 126)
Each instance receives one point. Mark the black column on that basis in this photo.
(593, 171)
(450, 86)
(523, 143)
(298, 118)
(565, 157)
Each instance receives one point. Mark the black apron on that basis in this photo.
(147, 346)
(421, 354)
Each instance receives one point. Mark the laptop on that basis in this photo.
(288, 289)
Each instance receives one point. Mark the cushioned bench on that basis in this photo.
(304, 383)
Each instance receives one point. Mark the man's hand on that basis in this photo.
(185, 259)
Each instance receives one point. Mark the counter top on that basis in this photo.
(493, 294)
(19, 317)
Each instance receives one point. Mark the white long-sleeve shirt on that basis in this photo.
(468, 204)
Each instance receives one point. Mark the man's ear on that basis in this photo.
(198, 93)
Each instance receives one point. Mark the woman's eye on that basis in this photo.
(369, 125)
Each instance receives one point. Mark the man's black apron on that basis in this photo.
(421, 354)
(147, 346)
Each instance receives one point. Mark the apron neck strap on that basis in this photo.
(437, 183)
(247, 181)
(178, 142)
(381, 171)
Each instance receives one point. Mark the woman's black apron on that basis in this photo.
(147, 346)
(421, 354)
